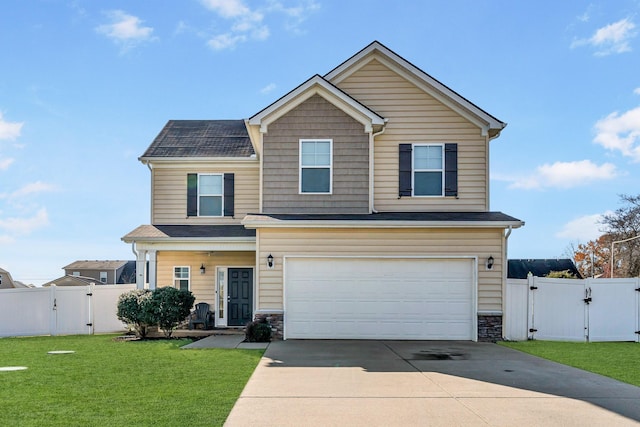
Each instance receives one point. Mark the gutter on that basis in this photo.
(372, 137)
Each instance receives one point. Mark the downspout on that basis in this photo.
(372, 136)
(505, 264)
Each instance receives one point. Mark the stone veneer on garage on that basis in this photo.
(489, 326)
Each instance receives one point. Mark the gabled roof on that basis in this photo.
(435, 88)
(201, 138)
(520, 268)
(95, 265)
(317, 85)
(70, 280)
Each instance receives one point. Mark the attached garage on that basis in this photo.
(380, 298)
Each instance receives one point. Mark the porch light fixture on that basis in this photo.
(490, 262)
(202, 269)
(270, 261)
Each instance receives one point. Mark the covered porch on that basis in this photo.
(215, 262)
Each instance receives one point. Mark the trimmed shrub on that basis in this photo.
(170, 307)
(134, 308)
(258, 331)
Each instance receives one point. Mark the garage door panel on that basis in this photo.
(379, 298)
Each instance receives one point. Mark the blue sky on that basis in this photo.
(86, 86)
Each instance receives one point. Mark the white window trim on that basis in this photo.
(181, 278)
(221, 195)
(330, 141)
(106, 276)
(414, 169)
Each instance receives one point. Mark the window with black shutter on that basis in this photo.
(210, 194)
(428, 170)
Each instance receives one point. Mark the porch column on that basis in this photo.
(152, 270)
(141, 268)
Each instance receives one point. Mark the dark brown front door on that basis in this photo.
(240, 300)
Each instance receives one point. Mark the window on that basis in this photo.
(428, 170)
(103, 276)
(181, 277)
(76, 273)
(315, 166)
(210, 194)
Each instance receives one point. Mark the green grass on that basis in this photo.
(617, 360)
(117, 383)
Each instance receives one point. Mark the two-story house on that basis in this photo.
(355, 206)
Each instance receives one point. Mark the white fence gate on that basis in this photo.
(573, 310)
(58, 310)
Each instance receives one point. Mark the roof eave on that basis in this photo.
(275, 223)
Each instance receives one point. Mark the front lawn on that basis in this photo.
(118, 383)
(617, 360)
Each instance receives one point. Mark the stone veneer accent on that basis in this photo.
(276, 320)
(489, 328)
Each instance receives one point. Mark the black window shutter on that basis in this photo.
(404, 170)
(228, 194)
(192, 194)
(451, 170)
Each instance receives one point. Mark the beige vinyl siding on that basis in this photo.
(381, 242)
(169, 201)
(417, 117)
(315, 118)
(203, 286)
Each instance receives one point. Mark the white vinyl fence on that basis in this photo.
(573, 310)
(59, 310)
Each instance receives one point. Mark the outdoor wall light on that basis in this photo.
(202, 269)
(490, 263)
(270, 261)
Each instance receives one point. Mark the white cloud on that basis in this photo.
(9, 130)
(610, 39)
(584, 228)
(16, 226)
(5, 163)
(249, 24)
(565, 175)
(125, 29)
(31, 188)
(637, 91)
(268, 88)
(620, 132)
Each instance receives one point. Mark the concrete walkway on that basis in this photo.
(425, 383)
(225, 341)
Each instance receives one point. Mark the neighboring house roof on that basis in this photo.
(70, 280)
(95, 265)
(410, 219)
(317, 85)
(520, 268)
(443, 93)
(6, 281)
(163, 232)
(201, 138)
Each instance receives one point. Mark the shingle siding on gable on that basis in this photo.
(316, 118)
(417, 117)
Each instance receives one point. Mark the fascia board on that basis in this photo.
(316, 85)
(271, 223)
(195, 246)
(159, 160)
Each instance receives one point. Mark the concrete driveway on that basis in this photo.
(426, 383)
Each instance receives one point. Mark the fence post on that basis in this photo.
(53, 307)
(531, 285)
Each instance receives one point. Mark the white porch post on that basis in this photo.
(152, 270)
(141, 268)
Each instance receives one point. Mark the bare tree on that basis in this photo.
(623, 224)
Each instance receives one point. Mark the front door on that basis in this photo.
(240, 296)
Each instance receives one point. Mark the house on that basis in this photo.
(105, 272)
(7, 282)
(520, 268)
(356, 206)
(70, 280)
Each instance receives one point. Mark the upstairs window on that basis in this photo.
(181, 277)
(428, 170)
(103, 276)
(316, 166)
(210, 194)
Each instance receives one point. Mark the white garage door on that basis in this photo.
(380, 298)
